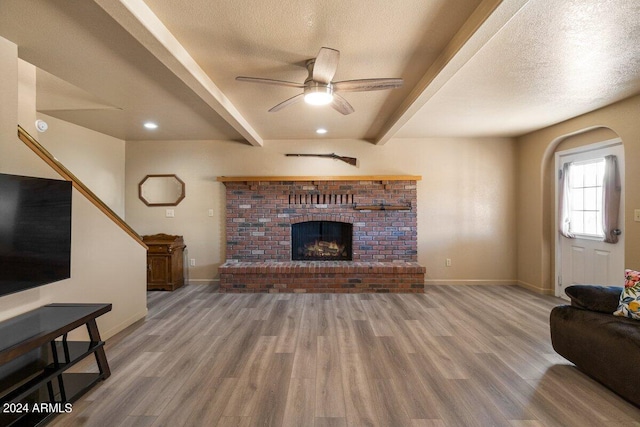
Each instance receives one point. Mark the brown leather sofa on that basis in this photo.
(603, 346)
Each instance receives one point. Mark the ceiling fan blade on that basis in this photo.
(364, 85)
(341, 105)
(325, 65)
(269, 82)
(286, 103)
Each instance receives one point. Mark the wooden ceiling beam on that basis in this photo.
(140, 21)
(484, 23)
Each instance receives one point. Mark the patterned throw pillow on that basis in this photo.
(630, 298)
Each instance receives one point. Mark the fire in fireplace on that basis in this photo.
(321, 241)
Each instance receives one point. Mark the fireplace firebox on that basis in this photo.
(321, 241)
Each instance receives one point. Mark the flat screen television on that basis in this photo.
(35, 232)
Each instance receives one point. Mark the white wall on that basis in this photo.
(106, 264)
(466, 199)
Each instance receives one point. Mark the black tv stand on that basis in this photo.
(35, 355)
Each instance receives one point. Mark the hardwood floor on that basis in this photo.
(454, 356)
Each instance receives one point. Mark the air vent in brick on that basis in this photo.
(320, 199)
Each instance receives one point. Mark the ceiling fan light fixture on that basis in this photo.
(319, 87)
(318, 95)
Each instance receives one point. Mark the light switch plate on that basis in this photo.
(636, 215)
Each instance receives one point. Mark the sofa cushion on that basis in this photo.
(629, 305)
(603, 299)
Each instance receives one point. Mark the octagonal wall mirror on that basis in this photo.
(161, 190)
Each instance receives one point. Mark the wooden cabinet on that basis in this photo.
(165, 267)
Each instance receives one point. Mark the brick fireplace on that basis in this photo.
(321, 234)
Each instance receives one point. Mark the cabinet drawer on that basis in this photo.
(158, 249)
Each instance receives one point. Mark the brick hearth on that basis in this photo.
(322, 276)
(260, 212)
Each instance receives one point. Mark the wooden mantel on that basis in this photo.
(320, 178)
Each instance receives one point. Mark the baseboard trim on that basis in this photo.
(475, 282)
(124, 325)
(204, 281)
(534, 288)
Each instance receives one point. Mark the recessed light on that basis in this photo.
(321, 131)
(150, 125)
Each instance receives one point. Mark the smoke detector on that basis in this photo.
(41, 126)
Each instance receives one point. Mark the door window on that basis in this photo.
(585, 196)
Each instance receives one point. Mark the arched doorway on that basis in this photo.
(586, 251)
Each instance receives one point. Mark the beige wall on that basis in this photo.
(8, 94)
(535, 227)
(466, 199)
(106, 264)
(95, 158)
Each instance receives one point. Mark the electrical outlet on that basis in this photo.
(448, 262)
(170, 213)
(210, 212)
(192, 262)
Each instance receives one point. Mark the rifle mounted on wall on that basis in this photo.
(351, 160)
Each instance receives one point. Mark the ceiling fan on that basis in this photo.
(318, 89)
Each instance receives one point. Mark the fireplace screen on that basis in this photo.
(321, 241)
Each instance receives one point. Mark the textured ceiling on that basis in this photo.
(273, 39)
(79, 43)
(551, 62)
(471, 67)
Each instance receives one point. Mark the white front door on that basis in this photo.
(587, 259)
